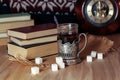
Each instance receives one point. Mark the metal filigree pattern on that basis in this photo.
(68, 50)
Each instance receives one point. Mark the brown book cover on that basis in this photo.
(23, 42)
(15, 24)
(33, 32)
(33, 51)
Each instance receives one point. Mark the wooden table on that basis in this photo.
(106, 69)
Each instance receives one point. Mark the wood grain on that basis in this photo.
(106, 69)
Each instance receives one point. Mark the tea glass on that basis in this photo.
(68, 43)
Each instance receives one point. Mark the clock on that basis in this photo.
(98, 16)
(100, 12)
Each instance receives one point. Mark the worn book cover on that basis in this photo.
(33, 32)
(33, 51)
(15, 24)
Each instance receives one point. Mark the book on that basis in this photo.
(4, 41)
(14, 17)
(3, 35)
(23, 42)
(32, 51)
(33, 32)
(15, 24)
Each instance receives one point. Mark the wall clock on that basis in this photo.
(98, 16)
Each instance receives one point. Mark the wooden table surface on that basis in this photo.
(106, 69)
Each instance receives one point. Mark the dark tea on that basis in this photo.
(68, 37)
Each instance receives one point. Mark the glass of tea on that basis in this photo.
(69, 41)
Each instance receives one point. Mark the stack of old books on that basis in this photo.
(33, 41)
(10, 21)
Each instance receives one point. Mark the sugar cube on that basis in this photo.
(93, 54)
(35, 70)
(59, 60)
(38, 60)
(89, 58)
(54, 67)
(100, 56)
(61, 65)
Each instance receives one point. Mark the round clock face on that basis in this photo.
(100, 12)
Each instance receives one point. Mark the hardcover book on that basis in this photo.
(32, 51)
(33, 32)
(15, 24)
(23, 42)
(14, 17)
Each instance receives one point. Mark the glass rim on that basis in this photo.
(70, 24)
